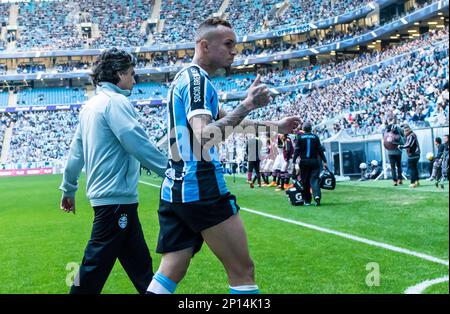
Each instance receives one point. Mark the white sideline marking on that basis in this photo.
(341, 234)
(419, 288)
(151, 184)
(416, 190)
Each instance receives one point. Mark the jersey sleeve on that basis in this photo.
(198, 94)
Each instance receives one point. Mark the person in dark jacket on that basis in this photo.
(444, 163)
(394, 152)
(253, 153)
(436, 170)
(309, 149)
(413, 151)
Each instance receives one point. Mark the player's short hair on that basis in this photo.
(438, 140)
(110, 63)
(307, 127)
(207, 25)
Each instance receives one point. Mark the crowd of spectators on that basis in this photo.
(120, 22)
(42, 136)
(4, 17)
(182, 17)
(46, 135)
(29, 68)
(55, 24)
(293, 76)
(49, 25)
(307, 11)
(5, 122)
(73, 66)
(414, 90)
(250, 16)
(154, 121)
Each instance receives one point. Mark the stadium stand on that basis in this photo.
(48, 25)
(51, 96)
(308, 11)
(42, 136)
(4, 15)
(181, 18)
(46, 135)
(56, 24)
(414, 88)
(261, 15)
(149, 91)
(31, 68)
(249, 16)
(120, 22)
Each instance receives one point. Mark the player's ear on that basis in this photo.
(204, 45)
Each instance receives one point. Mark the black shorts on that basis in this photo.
(180, 224)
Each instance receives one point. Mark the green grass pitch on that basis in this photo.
(38, 240)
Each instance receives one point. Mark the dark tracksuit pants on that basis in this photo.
(412, 168)
(309, 173)
(396, 166)
(116, 233)
(254, 166)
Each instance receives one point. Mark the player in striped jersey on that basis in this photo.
(195, 204)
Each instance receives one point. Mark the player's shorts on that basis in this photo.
(266, 166)
(181, 223)
(279, 163)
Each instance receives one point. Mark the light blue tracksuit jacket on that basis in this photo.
(110, 143)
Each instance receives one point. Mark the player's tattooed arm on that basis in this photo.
(207, 131)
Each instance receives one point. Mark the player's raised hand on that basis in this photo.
(258, 95)
(288, 125)
(68, 204)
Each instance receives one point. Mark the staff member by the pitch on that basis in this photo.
(110, 143)
(309, 149)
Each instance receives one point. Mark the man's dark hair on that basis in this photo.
(307, 127)
(205, 26)
(438, 140)
(110, 63)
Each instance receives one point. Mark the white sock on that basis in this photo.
(161, 285)
(245, 289)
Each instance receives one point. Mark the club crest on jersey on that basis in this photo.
(123, 221)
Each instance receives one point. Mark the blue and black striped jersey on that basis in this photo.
(190, 177)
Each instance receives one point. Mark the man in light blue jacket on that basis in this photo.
(111, 144)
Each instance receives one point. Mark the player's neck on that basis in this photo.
(204, 65)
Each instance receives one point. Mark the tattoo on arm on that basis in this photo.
(214, 132)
